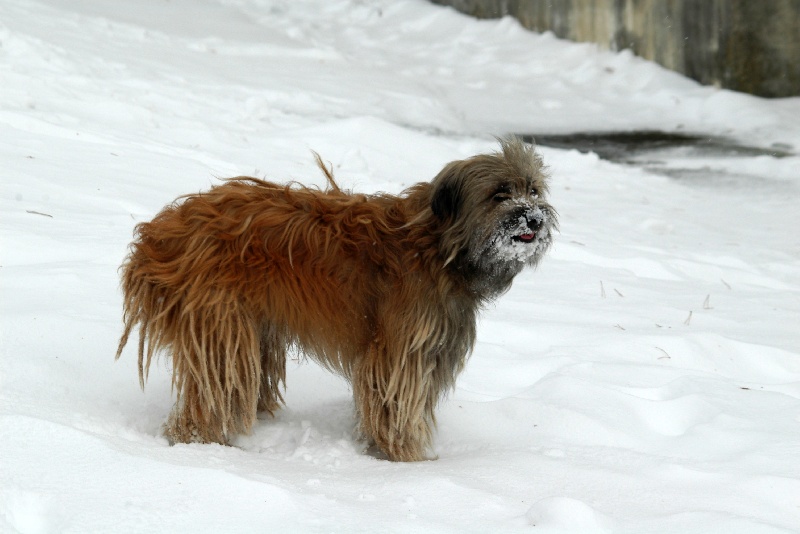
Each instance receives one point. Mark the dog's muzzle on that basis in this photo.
(524, 223)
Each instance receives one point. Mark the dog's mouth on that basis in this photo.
(524, 238)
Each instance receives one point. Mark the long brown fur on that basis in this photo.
(381, 289)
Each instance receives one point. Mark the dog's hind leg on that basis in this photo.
(216, 356)
(273, 368)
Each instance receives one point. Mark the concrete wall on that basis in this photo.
(745, 45)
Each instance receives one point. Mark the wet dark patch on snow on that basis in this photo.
(630, 147)
(696, 159)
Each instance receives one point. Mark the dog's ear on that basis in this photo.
(445, 201)
(447, 194)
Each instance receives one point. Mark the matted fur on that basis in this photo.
(381, 289)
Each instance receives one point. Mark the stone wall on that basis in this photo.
(745, 45)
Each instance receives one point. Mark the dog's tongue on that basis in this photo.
(527, 237)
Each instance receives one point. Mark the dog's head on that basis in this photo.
(496, 215)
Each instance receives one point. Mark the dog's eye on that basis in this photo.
(534, 193)
(501, 194)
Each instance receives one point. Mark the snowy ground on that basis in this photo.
(645, 379)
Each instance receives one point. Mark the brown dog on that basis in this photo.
(381, 289)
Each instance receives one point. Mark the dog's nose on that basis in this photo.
(535, 223)
(533, 219)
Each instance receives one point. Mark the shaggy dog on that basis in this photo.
(382, 289)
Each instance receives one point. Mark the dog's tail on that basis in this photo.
(328, 172)
(143, 304)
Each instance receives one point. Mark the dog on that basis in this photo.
(381, 289)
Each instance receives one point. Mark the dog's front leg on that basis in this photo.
(394, 401)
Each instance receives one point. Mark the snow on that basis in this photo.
(644, 378)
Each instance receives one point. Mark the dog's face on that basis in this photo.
(497, 215)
